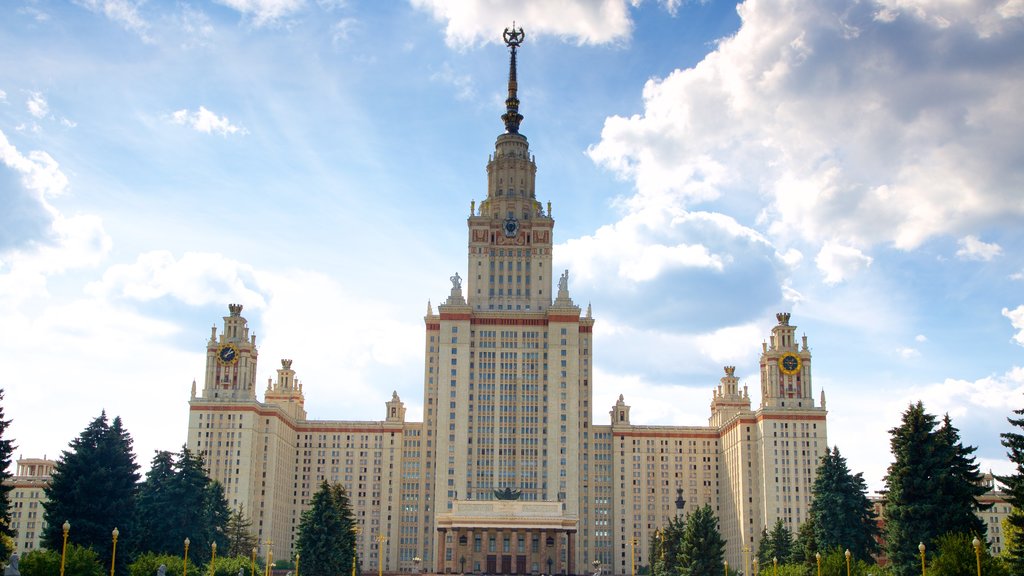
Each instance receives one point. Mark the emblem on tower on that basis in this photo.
(513, 38)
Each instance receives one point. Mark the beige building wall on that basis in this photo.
(26, 497)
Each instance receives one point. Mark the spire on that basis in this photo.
(513, 38)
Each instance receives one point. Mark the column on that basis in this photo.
(571, 557)
(442, 536)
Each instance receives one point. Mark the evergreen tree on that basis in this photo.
(239, 533)
(6, 453)
(93, 487)
(666, 548)
(1013, 544)
(703, 549)
(931, 488)
(326, 541)
(775, 544)
(843, 515)
(177, 501)
(805, 546)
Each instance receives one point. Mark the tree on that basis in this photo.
(843, 516)
(239, 533)
(1013, 549)
(805, 546)
(177, 501)
(775, 544)
(78, 561)
(6, 453)
(703, 549)
(93, 487)
(665, 548)
(930, 487)
(326, 539)
(955, 556)
(148, 563)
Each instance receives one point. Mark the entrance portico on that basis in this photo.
(506, 537)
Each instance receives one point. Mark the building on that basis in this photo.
(512, 469)
(27, 497)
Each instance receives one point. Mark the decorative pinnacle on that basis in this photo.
(235, 309)
(783, 318)
(513, 38)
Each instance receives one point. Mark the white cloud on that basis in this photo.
(264, 12)
(596, 22)
(342, 29)
(973, 249)
(3, 96)
(37, 105)
(838, 263)
(124, 12)
(730, 344)
(825, 110)
(463, 83)
(920, 338)
(207, 122)
(1016, 317)
(907, 353)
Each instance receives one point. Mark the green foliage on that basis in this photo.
(177, 501)
(6, 454)
(1013, 544)
(229, 566)
(665, 548)
(702, 549)
(931, 488)
(833, 563)
(841, 511)
(93, 487)
(78, 561)
(775, 544)
(956, 557)
(326, 541)
(148, 564)
(806, 543)
(239, 534)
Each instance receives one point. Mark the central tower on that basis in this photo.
(510, 236)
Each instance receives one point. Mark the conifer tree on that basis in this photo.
(777, 543)
(93, 487)
(703, 547)
(326, 540)
(6, 454)
(1013, 546)
(931, 488)
(842, 513)
(805, 545)
(241, 540)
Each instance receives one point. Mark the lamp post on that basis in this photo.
(252, 566)
(113, 553)
(296, 565)
(64, 548)
(775, 566)
(977, 553)
(755, 566)
(847, 554)
(213, 557)
(184, 564)
(381, 539)
(746, 559)
(920, 548)
(270, 556)
(817, 558)
(726, 562)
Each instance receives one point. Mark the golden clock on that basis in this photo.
(790, 364)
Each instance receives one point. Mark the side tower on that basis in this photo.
(231, 360)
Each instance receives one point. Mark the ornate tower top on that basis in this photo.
(235, 309)
(513, 38)
(783, 318)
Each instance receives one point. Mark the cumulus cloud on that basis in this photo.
(207, 122)
(37, 105)
(1016, 317)
(973, 249)
(587, 22)
(265, 12)
(838, 263)
(463, 83)
(833, 118)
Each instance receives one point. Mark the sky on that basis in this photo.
(859, 164)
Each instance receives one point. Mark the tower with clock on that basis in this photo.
(785, 368)
(231, 360)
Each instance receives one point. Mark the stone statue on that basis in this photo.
(563, 281)
(241, 572)
(12, 566)
(162, 570)
(456, 282)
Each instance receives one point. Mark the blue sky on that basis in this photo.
(709, 164)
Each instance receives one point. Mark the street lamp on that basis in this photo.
(64, 548)
(270, 556)
(381, 539)
(726, 568)
(296, 565)
(252, 567)
(113, 554)
(184, 565)
(213, 557)
(775, 566)
(755, 566)
(977, 553)
(746, 559)
(817, 557)
(847, 554)
(920, 548)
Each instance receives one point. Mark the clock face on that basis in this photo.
(790, 364)
(511, 226)
(227, 354)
